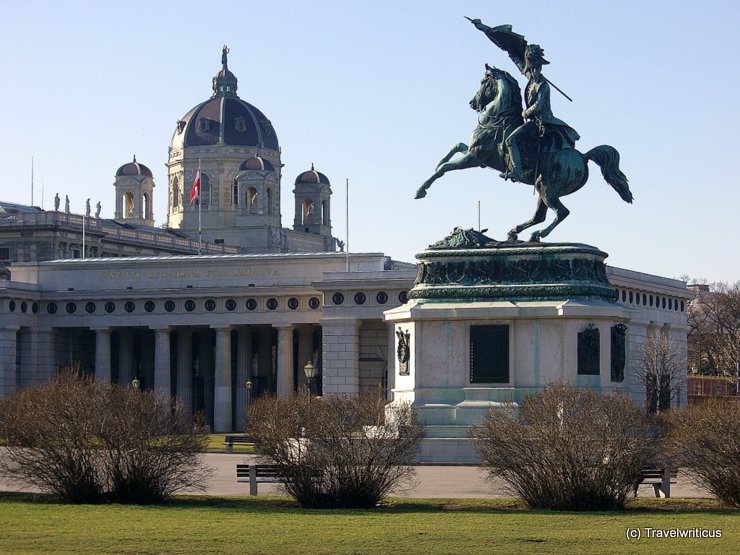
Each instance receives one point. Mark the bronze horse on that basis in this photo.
(553, 174)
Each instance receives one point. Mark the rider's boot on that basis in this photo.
(515, 173)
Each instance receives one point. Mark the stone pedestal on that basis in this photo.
(487, 323)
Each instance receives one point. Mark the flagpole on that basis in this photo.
(200, 201)
(31, 180)
(346, 209)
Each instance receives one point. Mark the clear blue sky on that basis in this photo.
(378, 92)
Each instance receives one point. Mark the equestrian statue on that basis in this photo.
(529, 146)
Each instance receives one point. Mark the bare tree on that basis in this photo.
(660, 366)
(714, 330)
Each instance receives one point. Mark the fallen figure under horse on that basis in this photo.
(554, 171)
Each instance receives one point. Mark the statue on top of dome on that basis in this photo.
(224, 55)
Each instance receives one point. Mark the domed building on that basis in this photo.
(134, 186)
(237, 150)
(312, 203)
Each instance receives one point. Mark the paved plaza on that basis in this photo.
(432, 481)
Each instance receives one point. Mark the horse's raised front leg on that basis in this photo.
(459, 147)
(538, 218)
(421, 192)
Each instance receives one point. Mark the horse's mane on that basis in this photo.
(509, 96)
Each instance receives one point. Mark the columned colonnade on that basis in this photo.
(206, 367)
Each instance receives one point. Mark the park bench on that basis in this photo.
(240, 439)
(259, 474)
(660, 478)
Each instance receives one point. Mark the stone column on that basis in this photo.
(222, 387)
(102, 355)
(208, 372)
(7, 359)
(243, 373)
(185, 367)
(285, 361)
(341, 356)
(162, 379)
(126, 357)
(46, 367)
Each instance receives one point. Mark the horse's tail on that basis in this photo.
(607, 159)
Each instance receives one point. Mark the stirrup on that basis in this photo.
(513, 175)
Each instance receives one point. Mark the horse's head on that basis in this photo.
(497, 85)
(487, 91)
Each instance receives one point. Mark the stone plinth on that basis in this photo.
(468, 266)
(487, 324)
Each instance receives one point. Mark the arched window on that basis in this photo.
(252, 200)
(269, 201)
(235, 194)
(324, 213)
(205, 190)
(308, 209)
(128, 204)
(175, 194)
(146, 206)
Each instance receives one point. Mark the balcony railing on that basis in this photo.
(113, 232)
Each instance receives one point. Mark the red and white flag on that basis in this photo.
(195, 190)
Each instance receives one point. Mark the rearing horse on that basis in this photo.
(553, 174)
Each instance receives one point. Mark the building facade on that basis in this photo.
(225, 294)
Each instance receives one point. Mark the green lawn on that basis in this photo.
(34, 524)
(216, 445)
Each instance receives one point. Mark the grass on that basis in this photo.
(216, 445)
(36, 524)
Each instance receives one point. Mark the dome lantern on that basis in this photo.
(224, 82)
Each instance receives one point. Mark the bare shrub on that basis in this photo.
(704, 439)
(88, 442)
(340, 451)
(568, 448)
(50, 432)
(151, 447)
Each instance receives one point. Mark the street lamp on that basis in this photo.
(310, 371)
(135, 383)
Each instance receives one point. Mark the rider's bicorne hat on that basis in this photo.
(534, 55)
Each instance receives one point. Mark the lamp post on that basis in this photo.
(135, 383)
(310, 371)
(248, 385)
